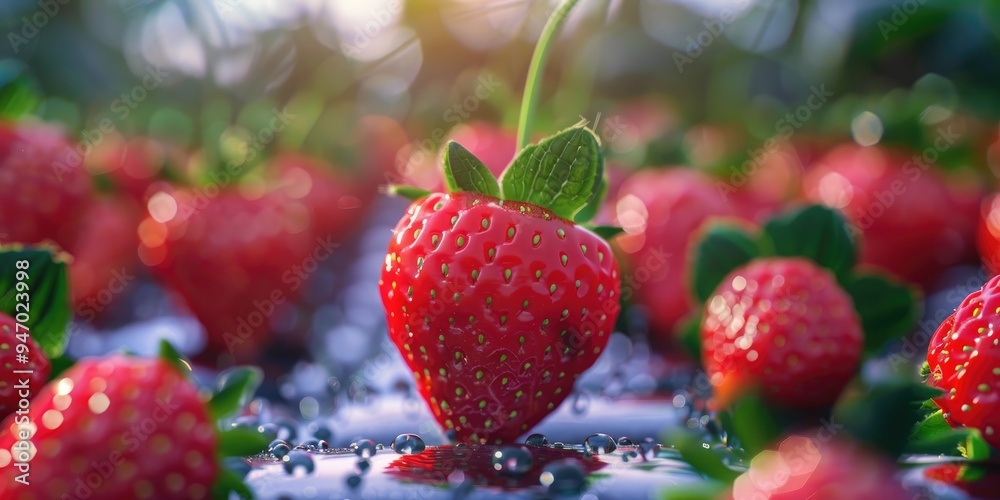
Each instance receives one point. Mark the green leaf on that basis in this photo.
(885, 415)
(722, 248)
(814, 232)
(888, 309)
(976, 448)
(595, 203)
(701, 490)
(228, 482)
(19, 92)
(756, 424)
(689, 335)
(173, 358)
(464, 172)
(236, 386)
(933, 425)
(934, 436)
(703, 459)
(41, 298)
(606, 232)
(409, 192)
(241, 443)
(561, 173)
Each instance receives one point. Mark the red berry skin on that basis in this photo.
(800, 470)
(232, 261)
(660, 212)
(496, 311)
(43, 186)
(785, 326)
(987, 486)
(37, 361)
(116, 427)
(964, 361)
(912, 222)
(105, 255)
(988, 234)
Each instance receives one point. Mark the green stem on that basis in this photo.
(533, 83)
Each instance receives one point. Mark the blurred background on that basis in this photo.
(215, 167)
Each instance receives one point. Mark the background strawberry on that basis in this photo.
(498, 305)
(988, 234)
(963, 358)
(9, 393)
(228, 257)
(105, 254)
(911, 221)
(785, 325)
(660, 210)
(115, 427)
(43, 186)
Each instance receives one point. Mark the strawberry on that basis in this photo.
(975, 481)
(800, 469)
(11, 384)
(911, 222)
(988, 234)
(232, 260)
(660, 212)
(104, 255)
(43, 187)
(964, 361)
(498, 305)
(113, 427)
(785, 325)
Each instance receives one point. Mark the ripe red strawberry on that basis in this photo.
(964, 361)
(660, 211)
(233, 261)
(497, 309)
(336, 201)
(43, 186)
(499, 305)
(105, 255)
(953, 475)
(911, 222)
(783, 325)
(114, 427)
(801, 470)
(12, 384)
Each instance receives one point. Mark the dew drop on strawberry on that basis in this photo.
(512, 460)
(599, 443)
(625, 441)
(536, 440)
(364, 448)
(408, 444)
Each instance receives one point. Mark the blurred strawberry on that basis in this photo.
(660, 210)
(134, 165)
(910, 220)
(977, 481)
(104, 255)
(12, 384)
(988, 234)
(765, 182)
(801, 470)
(232, 259)
(43, 186)
(337, 201)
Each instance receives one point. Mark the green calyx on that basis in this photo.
(887, 308)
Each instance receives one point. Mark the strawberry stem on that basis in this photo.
(533, 82)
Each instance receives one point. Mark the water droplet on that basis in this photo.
(649, 449)
(295, 459)
(380, 447)
(512, 460)
(558, 444)
(353, 481)
(599, 443)
(563, 477)
(537, 440)
(362, 466)
(625, 441)
(365, 448)
(287, 429)
(279, 448)
(269, 430)
(320, 431)
(407, 444)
